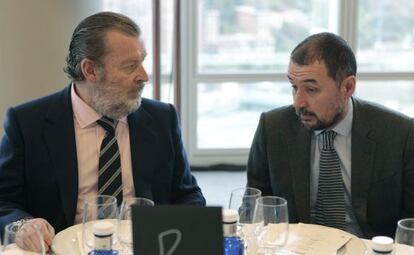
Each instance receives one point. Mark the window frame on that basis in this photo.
(347, 28)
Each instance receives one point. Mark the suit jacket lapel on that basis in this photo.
(59, 134)
(299, 160)
(143, 154)
(362, 154)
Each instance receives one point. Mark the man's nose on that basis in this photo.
(142, 74)
(299, 99)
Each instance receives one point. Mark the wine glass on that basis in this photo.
(405, 232)
(125, 221)
(9, 240)
(272, 224)
(97, 208)
(243, 200)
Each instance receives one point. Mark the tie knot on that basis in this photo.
(108, 124)
(328, 137)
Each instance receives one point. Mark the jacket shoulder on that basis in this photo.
(156, 108)
(42, 104)
(281, 118)
(379, 114)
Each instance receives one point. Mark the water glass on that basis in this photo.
(125, 222)
(243, 200)
(272, 224)
(98, 208)
(405, 232)
(9, 240)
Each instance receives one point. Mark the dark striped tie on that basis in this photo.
(330, 200)
(110, 178)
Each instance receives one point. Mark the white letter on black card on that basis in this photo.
(177, 241)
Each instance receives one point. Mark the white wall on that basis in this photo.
(34, 41)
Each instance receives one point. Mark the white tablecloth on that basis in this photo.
(66, 243)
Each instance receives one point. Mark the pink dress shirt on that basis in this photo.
(89, 136)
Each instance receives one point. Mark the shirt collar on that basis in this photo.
(345, 125)
(84, 114)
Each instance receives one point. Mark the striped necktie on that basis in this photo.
(110, 178)
(330, 200)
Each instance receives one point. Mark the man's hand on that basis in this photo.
(28, 239)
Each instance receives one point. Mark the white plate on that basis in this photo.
(66, 241)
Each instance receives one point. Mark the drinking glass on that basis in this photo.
(272, 224)
(9, 240)
(243, 200)
(97, 208)
(125, 222)
(405, 232)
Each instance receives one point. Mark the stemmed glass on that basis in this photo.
(405, 232)
(97, 208)
(243, 200)
(9, 240)
(272, 224)
(125, 222)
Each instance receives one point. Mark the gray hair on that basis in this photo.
(88, 40)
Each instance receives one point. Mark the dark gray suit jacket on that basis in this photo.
(382, 179)
(38, 162)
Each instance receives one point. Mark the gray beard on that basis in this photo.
(113, 104)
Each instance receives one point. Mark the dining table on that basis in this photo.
(304, 239)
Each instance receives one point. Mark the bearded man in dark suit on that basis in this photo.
(50, 153)
(373, 147)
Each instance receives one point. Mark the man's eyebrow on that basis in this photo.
(310, 81)
(138, 59)
(127, 61)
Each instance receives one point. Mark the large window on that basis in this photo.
(238, 52)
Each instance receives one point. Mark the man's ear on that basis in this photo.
(88, 68)
(348, 86)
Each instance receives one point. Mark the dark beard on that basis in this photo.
(321, 125)
(324, 125)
